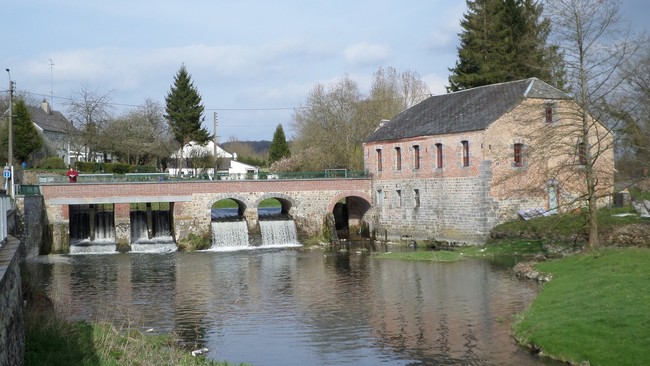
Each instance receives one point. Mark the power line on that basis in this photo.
(140, 105)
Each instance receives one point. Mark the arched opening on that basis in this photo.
(228, 209)
(277, 227)
(272, 207)
(229, 228)
(348, 218)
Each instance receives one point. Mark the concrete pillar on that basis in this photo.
(149, 221)
(251, 216)
(122, 212)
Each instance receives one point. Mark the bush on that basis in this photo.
(54, 162)
(118, 168)
(145, 169)
(86, 166)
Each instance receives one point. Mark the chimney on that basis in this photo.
(45, 106)
(382, 123)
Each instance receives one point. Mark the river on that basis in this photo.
(295, 306)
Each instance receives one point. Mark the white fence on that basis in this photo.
(6, 206)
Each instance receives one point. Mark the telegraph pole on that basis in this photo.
(8, 171)
(10, 155)
(216, 157)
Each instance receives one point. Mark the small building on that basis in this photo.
(58, 133)
(187, 162)
(455, 165)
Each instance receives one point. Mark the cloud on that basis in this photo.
(367, 53)
(436, 83)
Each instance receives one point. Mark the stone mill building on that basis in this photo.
(455, 165)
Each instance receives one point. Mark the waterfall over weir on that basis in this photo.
(92, 236)
(155, 239)
(230, 235)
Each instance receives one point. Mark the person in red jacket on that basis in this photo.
(72, 175)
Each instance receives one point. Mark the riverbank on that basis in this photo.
(594, 309)
(50, 339)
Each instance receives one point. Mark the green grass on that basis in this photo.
(229, 203)
(503, 248)
(52, 340)
(568, 223)
(596, 308)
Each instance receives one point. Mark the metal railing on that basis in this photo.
(164, 177)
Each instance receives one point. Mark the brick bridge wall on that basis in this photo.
(307, 201)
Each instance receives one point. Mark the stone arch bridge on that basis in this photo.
(306, 201)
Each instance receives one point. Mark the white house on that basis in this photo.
(227, 165)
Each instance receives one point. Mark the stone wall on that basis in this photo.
(33, 223)
(12, 330)
(453, 209)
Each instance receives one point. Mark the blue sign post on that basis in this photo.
(6, 173)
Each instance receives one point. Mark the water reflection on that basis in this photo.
(300, 307)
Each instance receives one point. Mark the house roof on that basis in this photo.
(50, 122)
(193, 148)
(467, 110)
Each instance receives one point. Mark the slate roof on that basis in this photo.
(467, 110)
(52, 122)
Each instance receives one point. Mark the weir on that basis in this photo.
(180, 209)
(151, 228)
(230, 230)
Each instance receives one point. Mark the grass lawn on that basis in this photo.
(596, 308)
(506, 247)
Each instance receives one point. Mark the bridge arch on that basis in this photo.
(286, 201)
(242, 202)
(349, 209)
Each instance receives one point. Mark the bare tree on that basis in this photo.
(89, 111)
(140, 136)
(634, 151)
(327, 124)
(595, 46)
(338, 118)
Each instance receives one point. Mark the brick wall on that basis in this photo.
(462, 203)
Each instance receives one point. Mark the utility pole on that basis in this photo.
(216, 157)
(10, 154)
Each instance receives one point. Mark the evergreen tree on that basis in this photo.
(279, 147)
(184, 110)
(504, 40)
(25, 136)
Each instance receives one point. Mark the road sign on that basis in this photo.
(7, 173)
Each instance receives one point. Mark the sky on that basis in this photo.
(252, 61)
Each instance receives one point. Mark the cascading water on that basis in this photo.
(102, 238)
(278, 233)
(229, 235)
(161, 239)
(230, 230)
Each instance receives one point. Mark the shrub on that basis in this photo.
(86, 166)
(118, 168)
(54, 162)
(145, 169)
